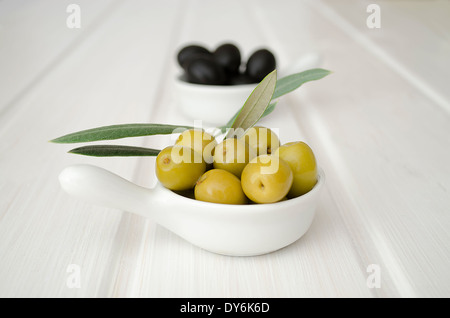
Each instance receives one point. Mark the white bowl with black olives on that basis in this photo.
(214, 85)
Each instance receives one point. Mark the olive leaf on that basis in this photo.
(254, 106)
(268, 110)
(114, 151)
(258, 105)
(284, 86)
(120, 131)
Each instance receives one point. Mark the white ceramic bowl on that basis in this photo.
(213, 104)
(235, 230)
(216, 104)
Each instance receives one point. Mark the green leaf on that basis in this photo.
(114, 151)
(286, 85)
(268, 110)
(254, 106)
(119, 131)
(291, 82)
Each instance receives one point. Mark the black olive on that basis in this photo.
(260, 63)
(204, 70)
(241, 79)
(187, 52)
(229, 57)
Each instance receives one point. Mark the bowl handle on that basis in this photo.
(101, 187)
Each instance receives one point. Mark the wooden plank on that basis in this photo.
(34, 39)
(413, 39)
(383, 143)
(109, 77)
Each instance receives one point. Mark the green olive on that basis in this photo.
(219, 186)
(233, 155)
(263, 139)
(178, 168)
(200, 141)
(302, 161)
(266, 179)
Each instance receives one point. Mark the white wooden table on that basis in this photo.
(379, 125)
